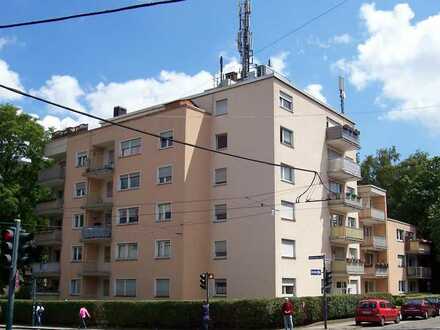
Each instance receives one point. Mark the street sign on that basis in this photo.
(316, 257)
(315, 272)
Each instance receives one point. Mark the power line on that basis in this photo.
(94, 13)
(301, 26)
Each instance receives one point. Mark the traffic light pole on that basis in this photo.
(12, 275)
(207, 288)
(325, 294)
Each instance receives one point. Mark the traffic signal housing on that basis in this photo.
(7, 247)
(328, 277)
(26, 247)
(204, 280)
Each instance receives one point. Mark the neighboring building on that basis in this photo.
(143, 216)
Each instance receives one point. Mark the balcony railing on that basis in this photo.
(95, 201)
(372, 215)
(52, 176)
(343, 138)
(95, 269)
(348, 267)
(46, 268)
(344, 169)
(96, 233)
(341, 234)
(378, 270)
(99, 170)
(417, 247)
(50, 237)
(345, 202)
(419, 272)
(375, 242)
(50, 208)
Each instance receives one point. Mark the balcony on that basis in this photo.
(95, 202)
(95, 269)
(343, 169)
(98, 170)
(52, 177)
(417, 246)
(375, 243)
(346, 235)
(96, 234)
(378, 270)
(343, 138)
(348, 267)
(345, 202)
(418, 272)
(53, 207)
(46, 269)
(46, 238)
(372, 216)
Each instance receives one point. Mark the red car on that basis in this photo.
(418, 307)
(376, 311)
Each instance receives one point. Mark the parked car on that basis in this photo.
(435, 302)
(376, 311)
(417, 308)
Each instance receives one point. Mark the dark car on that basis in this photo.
(376, 311)
(417, 308)
(435, 302)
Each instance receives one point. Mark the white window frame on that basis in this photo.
(227, 106)
(351, 222)
(284, 286)
(158, 175)
(127, 209)
(158, 247)
(282, 168)
(215, 176)
(77, 280)
(400, 235)
(73, 255)
(215, 212)
(75, 190)
(75, 218)
(401, 260)
(161, 217)
(81, 162)
(129, 183)
(401, 288)
(285, 98)
(282, 140)
(168, 143)
(215, 249)
(222, 280)
(126, 244)
(125, 287)
(216, 141)
(283, 208)
(155, 287)
(131, 152)
(291, 242)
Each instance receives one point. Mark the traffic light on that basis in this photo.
(328, 281)
(203, 280)
(26, 248)
(7, 246)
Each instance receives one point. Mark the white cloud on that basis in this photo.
(3, 42)
(341, 39)
(278, 62)
(57, 123)
(316, 91)
(403, 57)
(9, 78)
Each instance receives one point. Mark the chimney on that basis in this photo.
(119, 111)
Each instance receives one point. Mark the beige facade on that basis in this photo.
(142, 217)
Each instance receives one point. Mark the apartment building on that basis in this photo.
(143, 216)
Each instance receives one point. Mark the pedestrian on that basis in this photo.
(205, 315)
(287, 310)
(39, 311)
(83, 314)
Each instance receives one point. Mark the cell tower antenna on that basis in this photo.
(342, 92)
(244, 38)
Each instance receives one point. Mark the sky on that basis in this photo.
(388, 52)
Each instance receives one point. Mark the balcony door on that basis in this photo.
(353, 287)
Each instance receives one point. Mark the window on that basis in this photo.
(163, 212)
(220, 212)
(221, 141)
(286, 136)
(130, 147)
(368, 232)
(351, 222)
(81, 159)
(288, 286)
(75, 287)
(109, 189)
(129, 181)
(76, 253)
(126, 288)
(220, 249)
(107, 254)
(128, 215)
(165, 174)
(337, 220)
(80, 189)
(78, 221)
(353, 253)
(166, 139)
(105, 287)
(288, 248)
(286, 173)
(400, 260)
(162, 288)
(221, 107)
(127, 251)
(286, 101)
(369, 259)
(220, 176)
(220, 287)
(335, 187)
(400, 234)
(339, 253)
(287, 211)
(163, 249)
(402, 286)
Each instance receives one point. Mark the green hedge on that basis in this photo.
(225, 314)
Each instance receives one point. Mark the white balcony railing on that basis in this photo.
(49, 267)
(344, 165)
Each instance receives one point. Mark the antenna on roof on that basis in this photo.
(221, 69)
(244, 37)
(269, 62)
(342, 92)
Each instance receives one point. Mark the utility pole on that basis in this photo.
(324, 285)
(34, 293)
(12, 275)
(325, 293)
(244, 38)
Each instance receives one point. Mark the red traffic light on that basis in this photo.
(8, 235)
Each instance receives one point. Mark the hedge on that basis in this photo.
(225, 314)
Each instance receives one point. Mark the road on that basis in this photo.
(432, 323)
